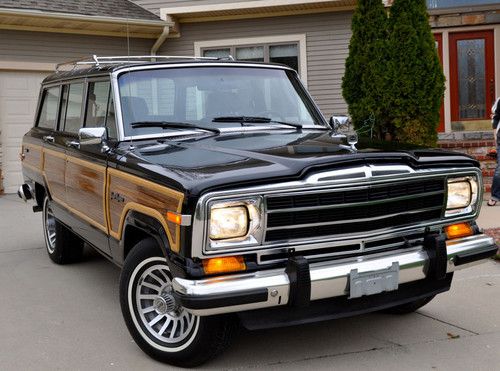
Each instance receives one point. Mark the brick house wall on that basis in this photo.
(475, 144)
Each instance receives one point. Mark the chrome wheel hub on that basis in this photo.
(157, 308)
(164, 304)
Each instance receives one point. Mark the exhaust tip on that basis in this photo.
(25, 192)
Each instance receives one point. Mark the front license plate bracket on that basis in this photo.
(373, 282)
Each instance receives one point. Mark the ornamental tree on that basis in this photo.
(415, 81)
(363, 82)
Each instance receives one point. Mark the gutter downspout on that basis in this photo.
(161, 39)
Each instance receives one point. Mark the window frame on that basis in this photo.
(232, 44)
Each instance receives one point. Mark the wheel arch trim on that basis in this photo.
(132, 209)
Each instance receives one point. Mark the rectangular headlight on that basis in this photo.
(235, 223)
(462, 196)
(228, 222)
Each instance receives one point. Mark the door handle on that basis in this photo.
(48, 138)
(74, 144)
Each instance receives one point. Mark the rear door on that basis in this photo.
(54, 157)
(85, 177)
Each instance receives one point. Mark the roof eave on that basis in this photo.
(35, 20)
(252, 9)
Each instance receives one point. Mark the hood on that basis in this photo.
(197, 164)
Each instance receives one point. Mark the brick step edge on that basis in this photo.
(466, 144)
(495, 233)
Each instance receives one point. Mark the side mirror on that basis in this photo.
(341, 128)
(340, 123)
(93, 136)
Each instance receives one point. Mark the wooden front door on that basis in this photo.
(439, 47)
(472, 80)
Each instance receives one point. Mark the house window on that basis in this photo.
(439, 4)
(287, 54)
(289, 50)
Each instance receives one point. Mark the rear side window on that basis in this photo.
(73, 115)
(97, 104)
(48, 113)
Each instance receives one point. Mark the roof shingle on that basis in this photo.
(108, 8)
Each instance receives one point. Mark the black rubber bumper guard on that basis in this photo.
(299, 276)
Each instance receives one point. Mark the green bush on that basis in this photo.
(393, 80)
(363, 79)
(415, 78)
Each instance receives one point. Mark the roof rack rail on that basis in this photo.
(97, 61)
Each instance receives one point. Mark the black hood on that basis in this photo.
(204, 163)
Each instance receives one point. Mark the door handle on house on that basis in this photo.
(492, 89)
(48, 138)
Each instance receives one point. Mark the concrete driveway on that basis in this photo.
(68, 318)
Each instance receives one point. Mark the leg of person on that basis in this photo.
(495, 187)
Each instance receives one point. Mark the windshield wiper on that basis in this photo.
(254, 120)
(171, 125)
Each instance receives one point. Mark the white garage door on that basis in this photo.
(18, 100)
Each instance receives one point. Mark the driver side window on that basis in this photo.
(100, 109)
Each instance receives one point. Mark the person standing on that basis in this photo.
(495, 188)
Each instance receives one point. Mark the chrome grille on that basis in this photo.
(351, 211)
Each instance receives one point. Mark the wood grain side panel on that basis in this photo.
(54, 169)
(32, 157)
(85, 183)
(128, 192)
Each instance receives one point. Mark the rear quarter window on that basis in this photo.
(48, 112)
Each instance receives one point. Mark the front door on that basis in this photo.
(472, 80)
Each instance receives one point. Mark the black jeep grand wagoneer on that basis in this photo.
(227, 198)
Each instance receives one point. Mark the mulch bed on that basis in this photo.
(495, 233)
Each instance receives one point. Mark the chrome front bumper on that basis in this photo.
(271, 288)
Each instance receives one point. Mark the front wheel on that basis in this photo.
(159, 325)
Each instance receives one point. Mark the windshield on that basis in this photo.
(203, 95)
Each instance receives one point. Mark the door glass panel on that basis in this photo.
(74, 109)
(217, 53)
(97, 104)
(471, 79)
(250, 54)
(285, 54)
(48, 113)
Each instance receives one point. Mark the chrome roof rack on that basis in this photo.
(97, 61)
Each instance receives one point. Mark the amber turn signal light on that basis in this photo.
(224, 264)
(174, 218)
(458, 230)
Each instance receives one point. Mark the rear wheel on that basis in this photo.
(63, 246)
(158, 323)
(409, 307)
